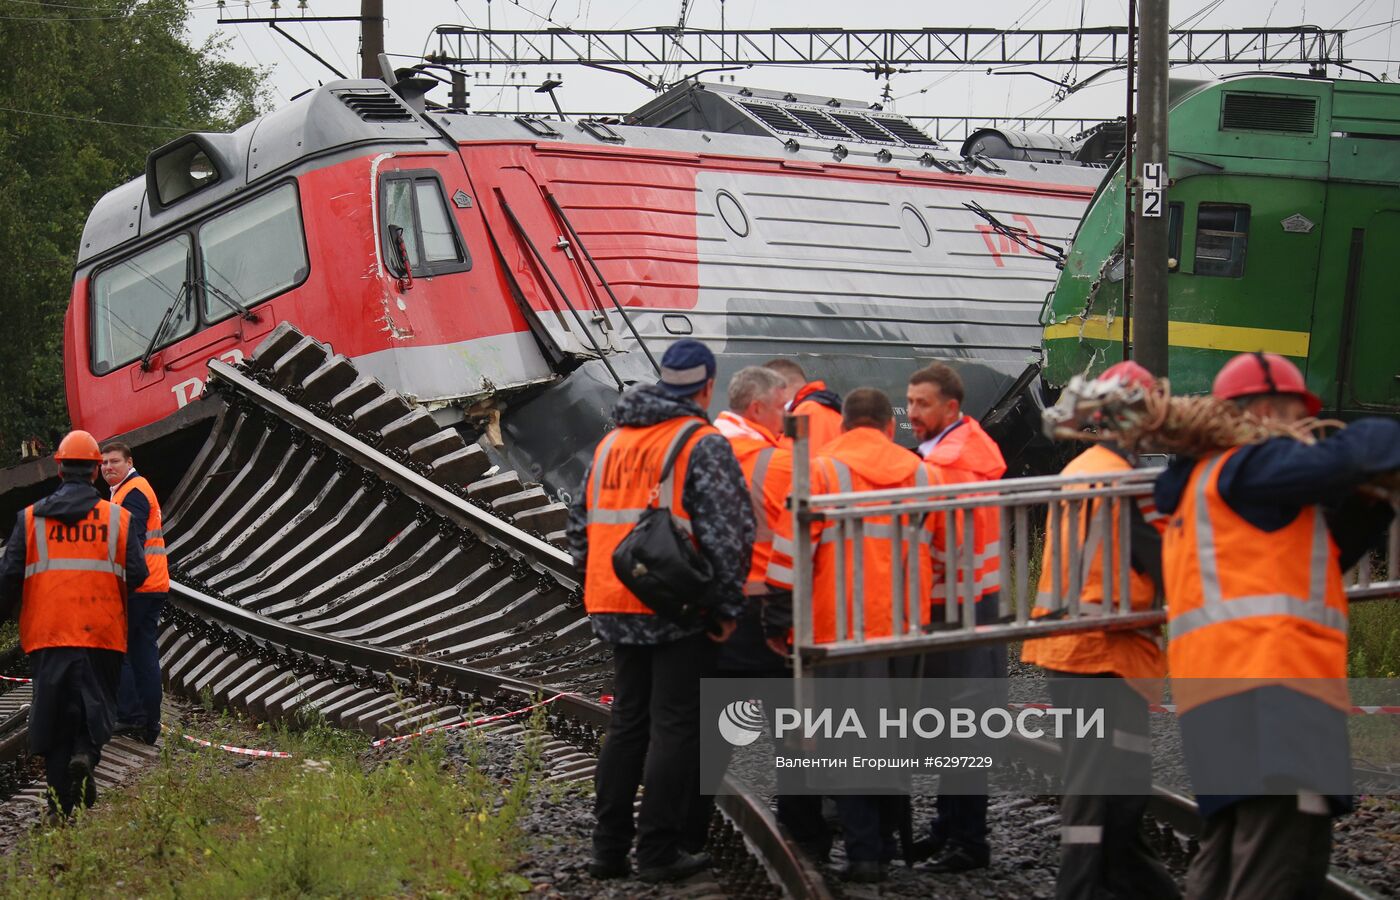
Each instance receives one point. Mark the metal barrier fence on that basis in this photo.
(1084, 511)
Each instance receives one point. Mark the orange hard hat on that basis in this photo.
(1263, 373)
(78, 446)
(1129, 372)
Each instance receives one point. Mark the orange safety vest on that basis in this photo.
(823, 422)
(622, 483)
(1129, 654)
(831, 474)
(768, 470)
(969, 448)
(75, 581)
(158, 581)
(1243, 603)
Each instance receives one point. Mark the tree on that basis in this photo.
(90, 87)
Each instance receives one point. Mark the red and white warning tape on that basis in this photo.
(1171, 708)
(473, 723)
(14, 678)
(242, 751)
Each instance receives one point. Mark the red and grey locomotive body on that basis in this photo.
(472, 262)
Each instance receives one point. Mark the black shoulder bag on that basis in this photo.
(658, 562)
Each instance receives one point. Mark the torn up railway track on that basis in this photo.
(332, 549)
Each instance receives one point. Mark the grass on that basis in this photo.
(329, 822)
(1374, 634)
(9, 635)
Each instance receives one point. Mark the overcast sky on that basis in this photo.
(934, 91)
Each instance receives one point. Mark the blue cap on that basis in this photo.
(686, 367)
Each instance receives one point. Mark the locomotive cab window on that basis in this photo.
(417, 233)
(136, 298)
(1222, 235)
(251, 253)
(206, 273)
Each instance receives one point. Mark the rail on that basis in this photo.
(538, 554)
(928, 528)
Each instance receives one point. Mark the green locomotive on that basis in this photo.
(1284, 222)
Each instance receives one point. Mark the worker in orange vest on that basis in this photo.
(138, 699)
(863, 458)
(955, 443)
(1102, 851)
(759, 647)
(664, 452)
(812, 399)
(1259, 536)
(67, 565)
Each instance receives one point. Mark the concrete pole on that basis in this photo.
(371, 37)
(1150, 218)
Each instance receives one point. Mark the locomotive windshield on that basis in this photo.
(245, 255)
(130, 298)
(253, 252)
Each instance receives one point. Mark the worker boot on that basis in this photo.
(80, 767)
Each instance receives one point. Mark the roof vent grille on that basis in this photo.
(819, 122)
(866, 129)
(1269, 112)
(905, 131)
(775, 118)
(375, 106)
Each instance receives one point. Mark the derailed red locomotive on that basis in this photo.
(513, 274)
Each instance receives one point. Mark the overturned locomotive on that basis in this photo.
(512, 275)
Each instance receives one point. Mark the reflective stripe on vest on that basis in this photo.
(1246, 607)
(46, 563)
(635, 489)
(872, 543)
(756, 586)
(1215, 608)
(74, 592)
(157, 572)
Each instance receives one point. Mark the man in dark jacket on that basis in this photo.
(1252, 563)
(654, 733)
(66, 568)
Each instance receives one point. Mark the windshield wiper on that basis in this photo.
(228, 301)
(182, 294)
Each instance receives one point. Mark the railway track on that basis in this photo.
(333, 550)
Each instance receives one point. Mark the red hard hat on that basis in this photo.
(78, 446)
(1129, 372)
(1263, 373)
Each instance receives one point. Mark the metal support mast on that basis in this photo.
(371, 37)
(1150, 219)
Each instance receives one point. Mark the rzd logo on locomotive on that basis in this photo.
(1000, 244)
(191, 388)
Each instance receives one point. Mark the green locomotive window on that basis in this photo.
(1222, 234)
(1175, 215)
(134, 299)
(251, 253)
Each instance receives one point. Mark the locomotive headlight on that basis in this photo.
(180, 168)
(201, 168)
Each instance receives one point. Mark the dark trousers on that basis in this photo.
(962, 796)
(1102, 849)
(653, 740)
(1261, 847)
(138, 699)
(749, 664)
(870, 825)
(74, 696)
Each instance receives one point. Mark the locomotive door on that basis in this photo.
(544, 268)
(1372, 365)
